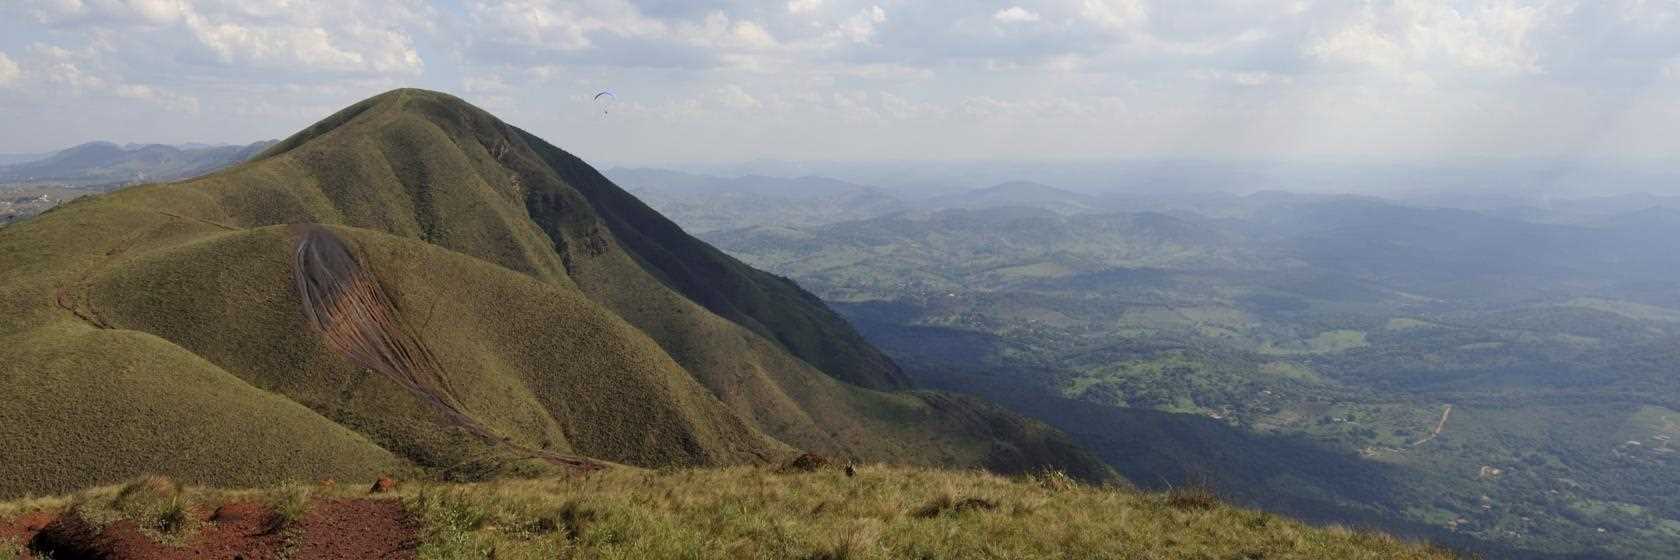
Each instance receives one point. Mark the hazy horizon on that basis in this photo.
(1486, 180)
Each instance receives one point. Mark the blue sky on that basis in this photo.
(722, 80)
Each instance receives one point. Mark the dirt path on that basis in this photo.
(1446, 412)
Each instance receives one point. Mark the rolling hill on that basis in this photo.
(105, 163)
(412, 285)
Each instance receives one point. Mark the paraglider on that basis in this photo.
(610, 98)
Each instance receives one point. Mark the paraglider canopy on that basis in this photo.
(610, 97)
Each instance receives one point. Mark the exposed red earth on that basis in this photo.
(333, 529)
(349, 308)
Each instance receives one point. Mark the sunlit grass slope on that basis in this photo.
(881, 513)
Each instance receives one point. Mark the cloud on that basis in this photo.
(1015, 14)
(140, 92)
(1114, 14)
(610, 33)
(736, 97)
(803, 6)
(9, 71)
(1225, 76)
(331, 36)
(861, 26)
(1406, 36)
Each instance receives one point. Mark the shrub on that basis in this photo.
(154, 504)
(288, 506)
(1199, 497)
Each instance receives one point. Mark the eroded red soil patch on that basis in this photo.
(20, 530)
(347, 529)
(335, 529)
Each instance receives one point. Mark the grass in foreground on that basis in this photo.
(757, 512)
(884, 512)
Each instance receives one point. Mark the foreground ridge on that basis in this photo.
(737, 512)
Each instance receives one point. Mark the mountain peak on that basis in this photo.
(372, 110)
(549, 313)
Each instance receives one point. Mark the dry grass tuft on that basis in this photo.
(944, 503)
(153, 503)
(1200, 497)
(1054, 481)
(288, 505)
(808, 462)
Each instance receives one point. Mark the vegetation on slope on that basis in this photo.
(1309, 344)
(744, 512)
(565, 318)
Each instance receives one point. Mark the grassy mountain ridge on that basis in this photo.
(735, 512)
(565, 318)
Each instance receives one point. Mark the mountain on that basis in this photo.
(412, 285)
(10, 159)
(958, 250)
(1024, 194)
(704, 203)
(97, 163)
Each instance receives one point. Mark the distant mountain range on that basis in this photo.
(106, 163)
(705, 203)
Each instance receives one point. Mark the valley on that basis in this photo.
(1485, 373)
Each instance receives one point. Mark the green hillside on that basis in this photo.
(541, 319)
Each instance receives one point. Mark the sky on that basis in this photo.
(885, 80)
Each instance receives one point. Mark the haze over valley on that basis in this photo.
(1538, 340)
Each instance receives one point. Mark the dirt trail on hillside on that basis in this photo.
(1439, 426)
(349, 308)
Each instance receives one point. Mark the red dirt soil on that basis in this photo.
(356, 529)
(334, 529)
(21, 529)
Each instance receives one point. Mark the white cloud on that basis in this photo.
(803, 6)
(736, 97)
(548, 32)
(1243, 79)
(861, 26)
(169, 100)
(1114, 14)
(558, 25)
(1015, 14)
(1227, 73)
(719, 32)
(9, 71)
(338, 36)
(1407, 36)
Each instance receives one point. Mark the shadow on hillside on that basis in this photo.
(1290, 475)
